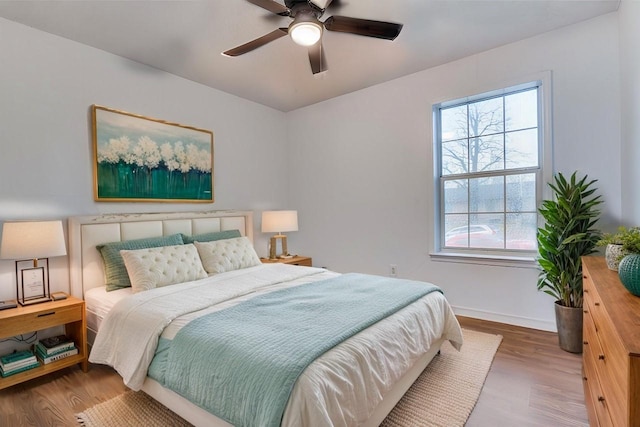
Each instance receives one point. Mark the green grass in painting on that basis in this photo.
(130, 181)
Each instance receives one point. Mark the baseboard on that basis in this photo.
(526, 322)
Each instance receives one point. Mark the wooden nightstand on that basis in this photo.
(295, 260)
(69, 312)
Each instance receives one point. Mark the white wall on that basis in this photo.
(47, 85)
(629, 15)
(362, 175)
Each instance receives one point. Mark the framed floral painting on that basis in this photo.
(140, 159)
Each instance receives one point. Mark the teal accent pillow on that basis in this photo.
(211, 237)
(114, 269)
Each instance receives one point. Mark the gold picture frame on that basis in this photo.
(142, 159)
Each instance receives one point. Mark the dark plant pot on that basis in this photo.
(569, 323)
(629, 272)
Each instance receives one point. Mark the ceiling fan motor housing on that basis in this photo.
(295, 5)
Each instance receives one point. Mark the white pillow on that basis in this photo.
(166, 265)
(227, 255)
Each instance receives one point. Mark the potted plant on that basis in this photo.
(567, 234)
(618, 244)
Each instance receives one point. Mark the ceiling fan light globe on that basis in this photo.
(305, 33)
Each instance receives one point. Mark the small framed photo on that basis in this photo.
(33, 282)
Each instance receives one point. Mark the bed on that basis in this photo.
(355, 382)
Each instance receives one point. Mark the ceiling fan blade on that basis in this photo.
(316, 58)
(363, 27)
(271, 6)
(260, 41)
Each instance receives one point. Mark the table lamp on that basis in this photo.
(279, 222)
(27, 243)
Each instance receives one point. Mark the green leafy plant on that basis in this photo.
(631, 241)
(627, 238)
(619, 236)
(567, 235)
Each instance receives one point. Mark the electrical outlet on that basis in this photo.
(393, 270)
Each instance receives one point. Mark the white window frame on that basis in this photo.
(524, 259)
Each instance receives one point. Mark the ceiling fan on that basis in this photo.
(306, 28)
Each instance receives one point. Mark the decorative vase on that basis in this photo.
(569, 323)
(629, 272)
(613, 253)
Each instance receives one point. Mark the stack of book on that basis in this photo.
(55, 348)
(17, 361)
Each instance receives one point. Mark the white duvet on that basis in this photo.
(342, 387)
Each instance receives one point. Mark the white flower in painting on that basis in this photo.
(129, 158)
(185, 167)
(116, 149)
(204, 162)
(172, 165)
(166, 153)
(193, 156)
(181, 157)
(178, 152)
(147, 153)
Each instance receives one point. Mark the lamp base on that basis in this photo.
(272, 247)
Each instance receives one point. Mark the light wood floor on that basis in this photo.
(531, 383)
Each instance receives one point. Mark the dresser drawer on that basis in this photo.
(593, 377)
(612, 364)
(595, 398)
(610, 359)
(588, 288)
(40, 319)
(591, 347)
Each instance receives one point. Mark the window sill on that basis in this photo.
(523, 261)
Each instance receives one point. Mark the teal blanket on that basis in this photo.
(241, 363)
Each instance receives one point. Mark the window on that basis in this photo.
(489, 155)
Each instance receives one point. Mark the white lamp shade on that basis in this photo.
(279, 221)
(32, 240)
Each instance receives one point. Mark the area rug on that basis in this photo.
(443, 396)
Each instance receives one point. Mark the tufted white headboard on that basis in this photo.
(85, 232)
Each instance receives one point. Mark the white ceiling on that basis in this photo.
(186, 38)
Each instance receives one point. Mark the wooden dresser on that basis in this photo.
(611, 356)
